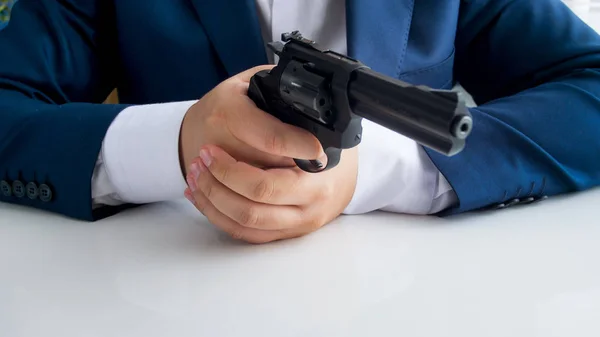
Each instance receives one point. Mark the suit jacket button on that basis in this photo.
(528, 200)
(5, 188)
(513, 202)
(45, 193)
(18, 189)
(500, 206)
(32, 191)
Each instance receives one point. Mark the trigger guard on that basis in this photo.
(315, 166)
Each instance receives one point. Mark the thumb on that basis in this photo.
(245, 76)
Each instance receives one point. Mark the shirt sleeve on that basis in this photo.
(139, 160)
(396, 175)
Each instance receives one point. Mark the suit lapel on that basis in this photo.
(378, 33)
(233, 29)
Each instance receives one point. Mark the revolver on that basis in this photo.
(328, 94)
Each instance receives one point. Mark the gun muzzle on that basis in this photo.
(437, 119)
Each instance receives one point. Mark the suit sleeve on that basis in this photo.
(56, 64)
(533, 67)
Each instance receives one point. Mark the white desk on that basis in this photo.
(163, 271)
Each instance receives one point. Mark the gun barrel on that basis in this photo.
(437, 119)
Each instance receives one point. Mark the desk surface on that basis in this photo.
(163, 271)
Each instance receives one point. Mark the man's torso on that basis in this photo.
(180, 49)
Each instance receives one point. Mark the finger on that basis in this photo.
(266, 133)
(260, 159)
(227, 225)
(246, 75)
(245, 212)
(275, 186)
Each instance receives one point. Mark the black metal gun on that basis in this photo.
(328, 94)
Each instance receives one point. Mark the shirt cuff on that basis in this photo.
(395, 174)
(139, 161)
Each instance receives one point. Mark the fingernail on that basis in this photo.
(202, 167)
(195, 170)
(206, 158)
(188, 195)
(191, 183)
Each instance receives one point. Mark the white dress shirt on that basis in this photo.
(139, 160)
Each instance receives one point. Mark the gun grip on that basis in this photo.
(258, 91)
(315, 166)
(254, 90)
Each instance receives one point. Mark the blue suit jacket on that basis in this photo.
(532, 66)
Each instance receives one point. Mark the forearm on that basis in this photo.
(540, 142)
(57, 53)
(55, 145)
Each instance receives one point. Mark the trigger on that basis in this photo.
(316, 166)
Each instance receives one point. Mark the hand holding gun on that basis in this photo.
(328, 94)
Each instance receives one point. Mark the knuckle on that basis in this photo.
(237, 234)
(314, 224)
(311, 222)
(263, 191)
(260, 240)
(207, 189)
(326, 192)
(256, 239)
(201, 205)
(249, 217)
(218, 115)
(275, 144)
(214, 119)
(221, 172)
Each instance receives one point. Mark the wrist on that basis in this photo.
(141, 152)
(351, 157)
(183, 163)
(188, 139)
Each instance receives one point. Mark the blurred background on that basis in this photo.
(5, 6)
(587, 10)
